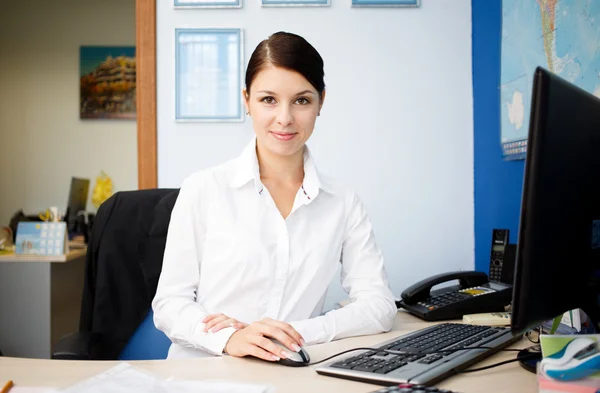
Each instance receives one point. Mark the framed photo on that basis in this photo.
(107, 82)
(295, 3)
(208, 75)
(385, 3)
(208, 3)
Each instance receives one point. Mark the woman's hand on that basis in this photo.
(255, 340)
(216, 322)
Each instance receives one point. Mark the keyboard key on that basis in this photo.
(366, 367)
(342, 365)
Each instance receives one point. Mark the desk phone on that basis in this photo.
(473, 294)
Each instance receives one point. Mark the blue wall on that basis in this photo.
(498, 183)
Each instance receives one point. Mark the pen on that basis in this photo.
(7, 387)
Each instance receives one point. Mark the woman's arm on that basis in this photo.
(372, 308)
(176, 311)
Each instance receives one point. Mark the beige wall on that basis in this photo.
(42, 140)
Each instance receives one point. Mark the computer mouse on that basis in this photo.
(578, 359)
(295, 359)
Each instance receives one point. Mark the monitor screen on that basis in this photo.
(558, 252)
(78, 196)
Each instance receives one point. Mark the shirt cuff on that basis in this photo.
(215, 342)
(313, 331)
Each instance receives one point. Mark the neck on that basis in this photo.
(285, 169)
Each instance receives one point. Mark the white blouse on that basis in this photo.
(230, 251)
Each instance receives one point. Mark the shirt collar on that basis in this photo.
(246, 170)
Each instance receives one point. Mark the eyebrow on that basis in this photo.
(298, 94)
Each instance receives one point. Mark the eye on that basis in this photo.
(268, 100)
(303, 101)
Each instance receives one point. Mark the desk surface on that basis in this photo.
(509, 378)
(73, 254)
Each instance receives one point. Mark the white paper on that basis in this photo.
(211, 387)
(120, 378)
(31, 389)
(127, 379)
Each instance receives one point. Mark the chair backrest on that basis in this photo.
(147, 343)
(123, 265)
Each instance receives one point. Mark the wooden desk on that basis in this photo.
(509, 378)
(40, 301)
(71, 256)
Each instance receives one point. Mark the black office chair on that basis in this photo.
(123, 264)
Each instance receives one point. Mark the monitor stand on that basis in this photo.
(530, 357)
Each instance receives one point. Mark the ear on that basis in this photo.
(322, 100)
(245, 97)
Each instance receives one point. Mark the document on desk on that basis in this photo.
(125, 378)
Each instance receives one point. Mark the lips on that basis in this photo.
(283, 136)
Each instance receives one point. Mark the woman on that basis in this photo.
(254, 243)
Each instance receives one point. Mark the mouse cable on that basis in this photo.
(410, 353)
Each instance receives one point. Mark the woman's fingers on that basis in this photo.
(214, 321)
(269, 346)
(260, 353)
(228, 323)
(290, 337)
(278, 334)
(209, 317)
(249, 341)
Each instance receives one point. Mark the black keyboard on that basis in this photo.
(416, 357)
(410, 388)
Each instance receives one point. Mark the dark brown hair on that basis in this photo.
(290, 51)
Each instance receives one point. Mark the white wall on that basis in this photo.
(397, 125)
(42, 140)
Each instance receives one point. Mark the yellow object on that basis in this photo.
(489, 319)
(46, 216)
(102, 189)
(7, 387)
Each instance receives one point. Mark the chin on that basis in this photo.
(284, 149)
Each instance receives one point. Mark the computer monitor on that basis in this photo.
(78, 196)
(558, 251)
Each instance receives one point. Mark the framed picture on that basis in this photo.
(107, 82)
(385, 3)
(208, 3)
(208, 75)
(295, 3)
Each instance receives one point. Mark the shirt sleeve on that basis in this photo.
(372, 308)
(176, 311)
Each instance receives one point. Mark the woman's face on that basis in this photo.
(283, 106)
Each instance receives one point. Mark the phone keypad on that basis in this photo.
(445, 299)
(496, 270)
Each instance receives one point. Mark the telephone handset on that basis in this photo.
(474, 294)
(420, 291)
(497, 253)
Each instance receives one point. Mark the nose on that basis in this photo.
(284, 116)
